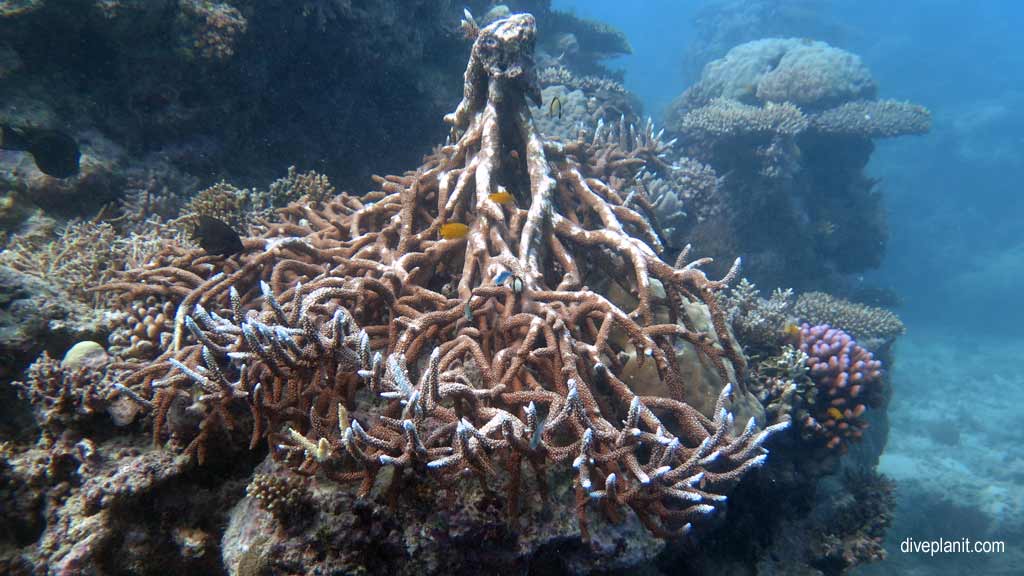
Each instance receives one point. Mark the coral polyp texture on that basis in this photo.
(471, 318)
(847, 379)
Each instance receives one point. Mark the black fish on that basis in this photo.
(555, 107)
(54, 152)
(216, 237)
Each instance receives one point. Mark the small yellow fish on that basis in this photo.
(835, 413)
(454, 230)
(791, 334)
(555, 108)
(501, 197)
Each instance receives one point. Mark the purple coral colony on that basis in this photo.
(504, 360)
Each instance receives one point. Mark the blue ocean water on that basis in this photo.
(955, 252)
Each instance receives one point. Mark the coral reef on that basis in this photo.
(847, 379)
(571, 103)
(560, 75)
(876, 328)
(67, 398)
(759, 323)
(89, 495)
(860, 521)
(685, 196)
(214, 28)
(287, 497)
(808, 74)
(36, 316)
(723, 117)
(81, 255)
(873, 119)
(143, 329)
(575, 112)
(790, 122)
(781, 383)
(504, 358)
(492, 353)
(207, 84)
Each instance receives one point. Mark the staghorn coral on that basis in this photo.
(876, 326)
(82, 255)
(77, 257)
(361, 342)
(847, 381)
(244, 208)
(874, 119)
(154, 190)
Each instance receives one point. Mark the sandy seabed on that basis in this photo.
(956, 451)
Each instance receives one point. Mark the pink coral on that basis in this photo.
(847, 379)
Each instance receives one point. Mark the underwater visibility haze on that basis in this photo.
(534, 287)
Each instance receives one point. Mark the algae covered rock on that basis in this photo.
(425, 530)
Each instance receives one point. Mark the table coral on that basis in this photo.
(872, 326)
(360, 340)
(874, 119)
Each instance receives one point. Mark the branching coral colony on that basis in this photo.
(362, 333)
